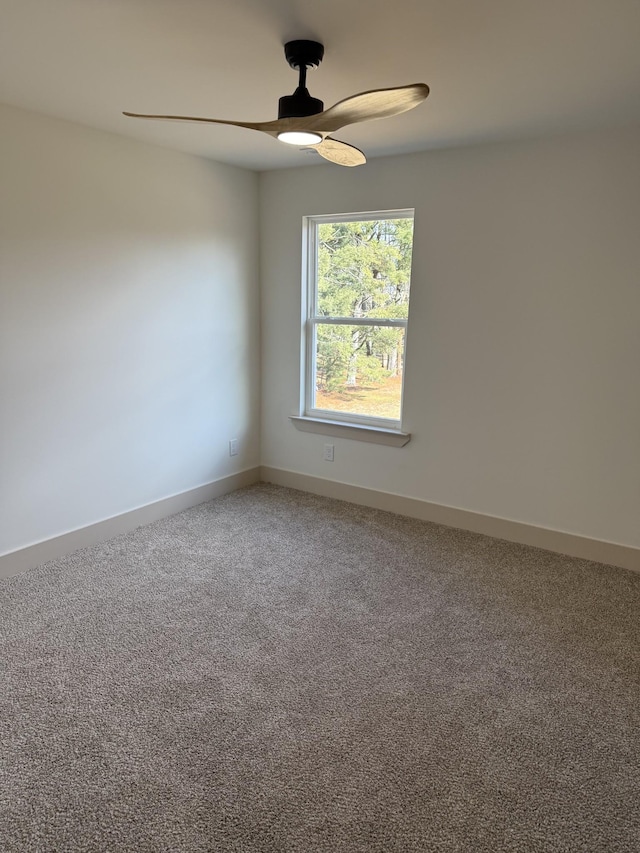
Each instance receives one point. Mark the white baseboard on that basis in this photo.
(597, 550)
(50, 549)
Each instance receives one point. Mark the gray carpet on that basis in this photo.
(275, 671)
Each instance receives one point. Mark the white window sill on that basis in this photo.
(359, 432)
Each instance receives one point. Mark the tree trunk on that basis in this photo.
(351, 369)
(392, 364)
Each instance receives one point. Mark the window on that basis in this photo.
(357, 304)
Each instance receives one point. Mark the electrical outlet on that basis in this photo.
(233, 447)
(328, 453)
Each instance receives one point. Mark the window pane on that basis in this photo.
(364, 268)
(358, 370)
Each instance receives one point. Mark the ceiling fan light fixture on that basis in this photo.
(299, 137)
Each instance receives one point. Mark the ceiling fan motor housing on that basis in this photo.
(299, 104)
(301, 54)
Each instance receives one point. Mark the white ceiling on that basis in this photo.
(497, 69)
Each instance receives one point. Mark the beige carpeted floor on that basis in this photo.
(275, 671)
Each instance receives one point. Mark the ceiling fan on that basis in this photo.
(303, 121)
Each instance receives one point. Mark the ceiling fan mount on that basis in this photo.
(302, 53)
(303, 120)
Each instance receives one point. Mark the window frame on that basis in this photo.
(311, 320)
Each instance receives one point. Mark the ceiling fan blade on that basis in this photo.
(340, 152)
(270, 127)
(379, 103)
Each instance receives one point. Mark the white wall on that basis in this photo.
(522, 388)
(129, 325)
